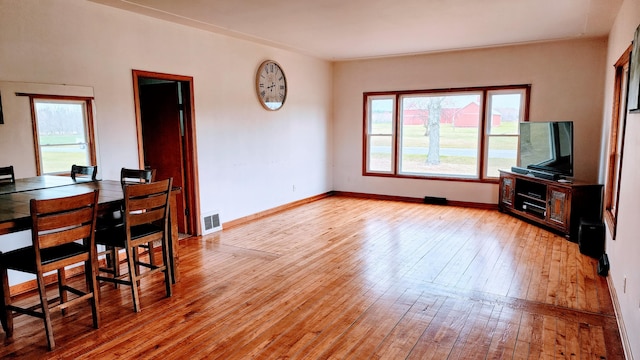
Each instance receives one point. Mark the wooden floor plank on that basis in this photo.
(353, 278)
(503, 342)
(572, 340)
(439, 337)
(404, 336)
(475, 333)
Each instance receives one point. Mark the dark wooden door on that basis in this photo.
(162, 137)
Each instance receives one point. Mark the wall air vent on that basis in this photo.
(211, 223)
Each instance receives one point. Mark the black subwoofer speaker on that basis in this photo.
(591, 238)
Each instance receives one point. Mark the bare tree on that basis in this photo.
(434, 105)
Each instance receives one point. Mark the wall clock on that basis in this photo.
(271, 85)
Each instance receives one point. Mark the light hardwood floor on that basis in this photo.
(349, 278)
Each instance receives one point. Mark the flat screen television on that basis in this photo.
(547, 147)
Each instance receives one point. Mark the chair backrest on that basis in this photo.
(64, 220)
(136, 176)
(147, 203)
(84, 171)
(6, 175)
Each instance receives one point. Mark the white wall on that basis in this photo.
(624, 251)
(249, 159)
(567, 84)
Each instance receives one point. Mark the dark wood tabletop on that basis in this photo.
(14, 205)
(15, 198)
(39, 182)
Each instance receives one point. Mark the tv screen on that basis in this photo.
(547, 146)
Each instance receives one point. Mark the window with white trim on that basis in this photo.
(62, 132)
(465, 134)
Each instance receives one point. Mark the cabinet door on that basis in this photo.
(507, 191)
(558, 207)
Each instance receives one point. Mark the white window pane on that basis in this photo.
(380, 154)
(59, 158)
(502, 154)
(62, 135)
(440, 135)
(381, 116)
(505, 112)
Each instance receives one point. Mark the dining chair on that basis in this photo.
(6, 175)
(127, 177)
(79, 171)
(57, 225)
(146, 220)
(84, 171)
(136, 176)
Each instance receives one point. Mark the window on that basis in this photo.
(381, 134)
(616, 142)
(449, 134)
(62, 132)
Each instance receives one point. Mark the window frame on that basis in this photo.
(616, 141)
(89, 126)
(367, 135)
(483, 136)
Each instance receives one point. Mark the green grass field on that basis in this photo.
(413, 137)
(60, 158)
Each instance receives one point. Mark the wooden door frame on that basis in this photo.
(190, 149)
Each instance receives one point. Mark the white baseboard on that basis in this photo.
(621, 328)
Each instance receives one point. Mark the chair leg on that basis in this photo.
(44, 304)
(152, 258)
(108, 257)
(62, 283)
(7, 315)
(114, 263)
(167, 266)
(133, 277)
(116, 257)
(90, 270)
(136, 259)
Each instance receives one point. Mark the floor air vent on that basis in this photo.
(210, 223)
(435, 200)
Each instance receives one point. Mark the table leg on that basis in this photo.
(173, 238)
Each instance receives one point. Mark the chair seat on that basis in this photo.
(116, 236)
(106, 222)
(23, 259)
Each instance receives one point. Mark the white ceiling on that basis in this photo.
(351, 29)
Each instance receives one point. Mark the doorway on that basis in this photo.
(166, 138)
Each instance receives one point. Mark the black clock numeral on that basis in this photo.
(261, 86)
(281, 87)
(262, 93)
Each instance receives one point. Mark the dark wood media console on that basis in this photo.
(555, 205)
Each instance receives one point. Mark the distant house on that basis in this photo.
(467, 116)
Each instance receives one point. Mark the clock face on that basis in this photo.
(271, 85)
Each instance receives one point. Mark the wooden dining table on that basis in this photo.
(15, 197)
